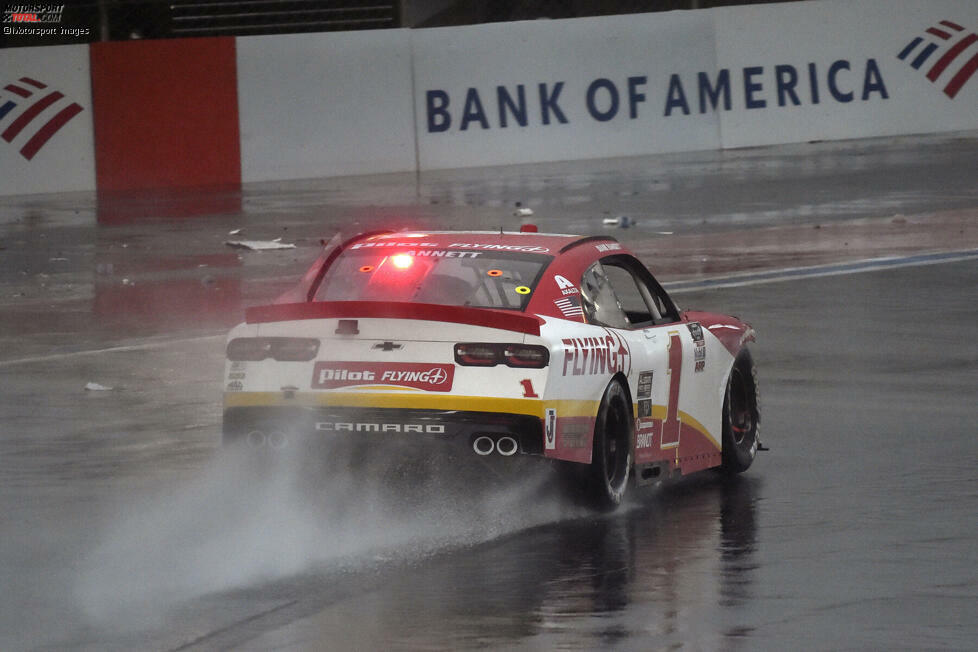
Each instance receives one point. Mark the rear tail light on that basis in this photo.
(248, 349)
(478, 354)
(525, 355)
(283, 349)
(294, 349)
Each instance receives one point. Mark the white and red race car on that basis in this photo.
(504, 345)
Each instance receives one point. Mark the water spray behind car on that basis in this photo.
(250, 519)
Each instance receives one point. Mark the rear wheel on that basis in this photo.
(611, 455)
(740, 415)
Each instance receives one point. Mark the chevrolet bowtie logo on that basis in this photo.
(387, 346)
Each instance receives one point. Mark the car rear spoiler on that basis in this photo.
(503, 320)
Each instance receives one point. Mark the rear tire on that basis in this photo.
(611, 455)
(740, 415)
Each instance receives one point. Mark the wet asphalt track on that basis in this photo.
(123, 530)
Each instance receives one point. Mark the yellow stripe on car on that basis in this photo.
(406, 400)
(659, 412)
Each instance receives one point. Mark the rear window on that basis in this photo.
(481, 279)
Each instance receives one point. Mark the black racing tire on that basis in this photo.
(741, 416)
(611, 454)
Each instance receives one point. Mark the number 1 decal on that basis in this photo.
(671, 425)
(528, 388)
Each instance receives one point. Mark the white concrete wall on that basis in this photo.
(592, 88)
(320, 105)
(331, 104)
(852, 47)
(66, 162)
(729, 77)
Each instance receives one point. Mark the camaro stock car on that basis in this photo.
(505, 345)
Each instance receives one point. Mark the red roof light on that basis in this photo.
(402, 261)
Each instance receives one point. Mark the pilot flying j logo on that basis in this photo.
(415, 375)
(32, 114)
(949, 41)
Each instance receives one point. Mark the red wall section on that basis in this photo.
(165, 114)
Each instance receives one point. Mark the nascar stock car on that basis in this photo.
(504, 345)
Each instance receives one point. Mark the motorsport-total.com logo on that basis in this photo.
(38, 20)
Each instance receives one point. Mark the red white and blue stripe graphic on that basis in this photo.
(957, 42)
(35, 97)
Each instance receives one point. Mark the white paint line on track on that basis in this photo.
(145, 346)
(832, 269)
(676, 287)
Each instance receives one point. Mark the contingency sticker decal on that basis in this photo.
(550, 429)
(699, 352)
(644, 425)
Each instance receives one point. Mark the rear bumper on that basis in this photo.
(275, 426)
